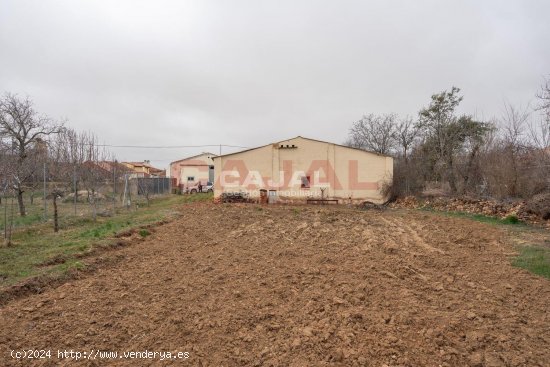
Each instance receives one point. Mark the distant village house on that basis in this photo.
(144, 170)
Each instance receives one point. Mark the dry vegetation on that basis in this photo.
(504, 158)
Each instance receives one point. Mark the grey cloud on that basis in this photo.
(251, 72)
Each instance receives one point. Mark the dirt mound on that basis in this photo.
(244, 285)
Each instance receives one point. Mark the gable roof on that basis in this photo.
(301, 137)
(111, 165)
(195, 156)
(143, 164)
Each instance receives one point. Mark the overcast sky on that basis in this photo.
(253, 72)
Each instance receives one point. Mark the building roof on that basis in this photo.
(143, 164)
(195, 156)
(301, 137)
(110, 165)
(138, 164)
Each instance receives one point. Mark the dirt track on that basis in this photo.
(239, 286)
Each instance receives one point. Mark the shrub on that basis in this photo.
(144, 233)
(511, 219)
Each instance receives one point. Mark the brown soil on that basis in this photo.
(298, 286)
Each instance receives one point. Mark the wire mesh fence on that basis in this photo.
(154, 185)
(76, 203)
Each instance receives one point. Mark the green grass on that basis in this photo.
(144, 233)
(109, 228)
(509, 220)
(534, 259)
(193, 198)
(21, 221)
(37, 250)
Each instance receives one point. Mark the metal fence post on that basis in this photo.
(114, 188)
(45, 201)
(74, 189)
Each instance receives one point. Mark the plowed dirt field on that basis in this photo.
(243, 285)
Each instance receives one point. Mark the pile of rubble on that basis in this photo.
(536, 210)
(234, 197)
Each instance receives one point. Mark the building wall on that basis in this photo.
(345, 173)
(157, 173)
(197, 167)
(137, 169)
(198, 173)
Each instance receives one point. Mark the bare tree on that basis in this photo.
(515, 160)
(406, 132)
(26, 129)
(60, 169)
(73, 146)
(544, 98)
(8, 222)
(7, 163)
(7, 215)
(93, 174)
(144, 187)
(513, 125)
(6, 168)
(374, 132)
(514, 143)
(540, 132)
(76, 159)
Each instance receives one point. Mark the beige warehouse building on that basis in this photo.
(301, 169)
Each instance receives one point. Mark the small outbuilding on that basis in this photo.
(301, 169)
(188, 172)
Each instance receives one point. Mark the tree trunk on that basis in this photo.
(469, 169)
(6, 223)
(452, 182)
(55, 216)
(513, 187)
(94, 206)
(450, 175)
(9, 235)
(20, 202)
